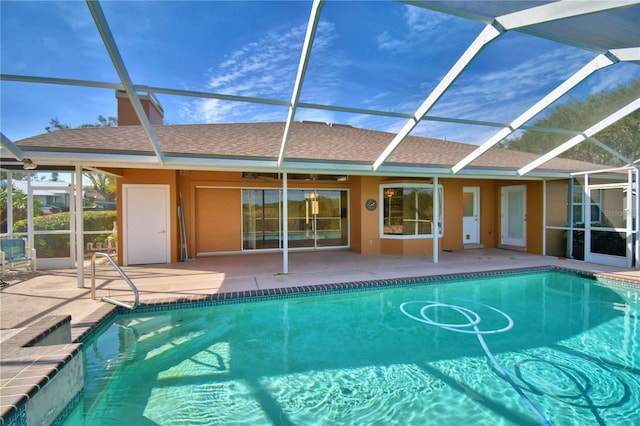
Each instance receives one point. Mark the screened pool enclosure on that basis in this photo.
(546, 77)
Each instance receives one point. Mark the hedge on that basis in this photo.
(48, 246)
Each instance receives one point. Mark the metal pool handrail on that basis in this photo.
(122, 274)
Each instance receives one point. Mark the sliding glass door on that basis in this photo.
(317, 218)
(261, 224)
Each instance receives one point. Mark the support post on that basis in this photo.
(285, 225)
(569, 251)
(436, 221)
(10, 203)
(586, 202)
(30, 229)
(544, 217)
(79, 228)
(636, 213)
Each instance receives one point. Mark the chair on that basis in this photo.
(14, 250)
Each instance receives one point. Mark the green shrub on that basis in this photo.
(99, 221)
(48, 246)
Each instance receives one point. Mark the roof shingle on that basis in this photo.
(309, 141)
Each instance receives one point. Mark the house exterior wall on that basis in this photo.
(535, 215)
(557, 202)
(211, 203)
(557, 206)
(365, 234)
(613, 208)
(218, 220)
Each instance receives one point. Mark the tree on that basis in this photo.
(103, 122)
(622, 136)
(19, 201)
(103, 184)
(55, 123)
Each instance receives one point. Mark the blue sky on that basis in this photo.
(367, 54)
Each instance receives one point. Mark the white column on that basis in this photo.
(436, 219)
(285, 225)
(636, 214)
(544, 217)
(79, 226)
(569, 252)
(586, 200)
(10, 203)
(30, 235)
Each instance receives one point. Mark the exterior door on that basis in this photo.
(146, 224)
(55, 244)
(471, 215)
(514, 216)
(610, 238)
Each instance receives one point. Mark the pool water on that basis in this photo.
(541, 348)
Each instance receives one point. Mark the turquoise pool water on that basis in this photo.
(540, 348)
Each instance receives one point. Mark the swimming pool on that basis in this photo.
(510, 349)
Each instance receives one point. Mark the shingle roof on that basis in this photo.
(309, 141)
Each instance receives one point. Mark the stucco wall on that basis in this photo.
(218, 220)
(367, 233)
(212, 208)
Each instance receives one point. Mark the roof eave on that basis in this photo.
(148, 160)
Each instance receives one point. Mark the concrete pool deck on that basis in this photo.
(33, 305)
(29, 297)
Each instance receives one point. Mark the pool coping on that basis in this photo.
(26, 367)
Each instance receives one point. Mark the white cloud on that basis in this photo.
(503, 94)
(264, 68)
(422, 20)
(78, 19)
(610, 78)
(423, 27)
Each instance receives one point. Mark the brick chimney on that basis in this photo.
(127, 115)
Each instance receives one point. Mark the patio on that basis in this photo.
(30, 297)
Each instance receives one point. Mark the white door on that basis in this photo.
(514, 216)
(146, 224)
(471, 215)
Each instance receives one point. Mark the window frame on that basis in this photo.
(578, 192)
(439, 192)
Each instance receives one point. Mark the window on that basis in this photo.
(578, 206)
(407, 210)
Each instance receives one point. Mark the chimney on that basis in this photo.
(127, 115)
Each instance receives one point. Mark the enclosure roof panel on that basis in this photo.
(486, 73)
